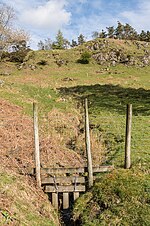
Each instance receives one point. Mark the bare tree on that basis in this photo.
(8, 34)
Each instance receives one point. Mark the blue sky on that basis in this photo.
(42, 18)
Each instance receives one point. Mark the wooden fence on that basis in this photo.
(73, 180)
(67, 182)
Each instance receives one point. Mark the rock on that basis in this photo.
(67, 79)
(61, 62)
(1, 82)
(113, 56)
(146, 44)
(132, 61)
(32, 67)
(5, 74)
(101, 46)
(20, 66)
(56, 55)
(145, 60)
(113, 63)
(96, 46)
(146, 51)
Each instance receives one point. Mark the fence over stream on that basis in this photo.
(17, 142)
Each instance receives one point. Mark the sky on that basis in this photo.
(43, 18)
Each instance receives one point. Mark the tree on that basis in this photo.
(119, 31)
(81, 39)
(129, 32)
(143, 36)
(48, 44)
(59, 44)
(10, 36)
(102, 34)
(148, 36)
(95, 34)
(66, 44)
(110, 32)
(41, 45)
(73, 43)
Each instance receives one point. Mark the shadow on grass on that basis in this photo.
(108, 98)
(112, 98)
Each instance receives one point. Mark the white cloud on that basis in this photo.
(51, 15)
(94, 23)
(18, 5)
(43, 18)
(140, 17)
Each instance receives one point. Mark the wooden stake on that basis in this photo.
(65, 200)
(36, 141)
(128, 137)
(75, 195)
(55, 200)
(88, 146)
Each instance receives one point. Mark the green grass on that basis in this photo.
(120, 198)
(25, 94)
(115, 199)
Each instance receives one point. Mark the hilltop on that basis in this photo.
(58, 80)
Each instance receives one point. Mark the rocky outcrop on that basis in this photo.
(105, 54)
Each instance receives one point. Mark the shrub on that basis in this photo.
(18, 56)
(85, 58)
(42, 62)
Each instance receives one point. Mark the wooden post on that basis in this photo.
(88, 146)
(128, 137)
(75, 195)
(36, 142)
(65, 200)
(55, 200)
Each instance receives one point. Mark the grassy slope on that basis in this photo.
(22, 203)
(108, 93)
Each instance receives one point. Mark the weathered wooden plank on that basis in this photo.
(55, 171)
(36, 144)
(96, 169)
(62, 170)
(75, 195)
(88, 146)
(63, 180)
(128, 137)
(101, 169)
(55, 200)
(65, 200)
(67, 188)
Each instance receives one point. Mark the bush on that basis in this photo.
(5, 55)
(42, 62)
(85, 58)
(17, 57)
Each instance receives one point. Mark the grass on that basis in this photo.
(24, 95)
(120, 198)
(113, 199)
(21, 204)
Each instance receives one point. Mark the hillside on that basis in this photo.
(118, 73)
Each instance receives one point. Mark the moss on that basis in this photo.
(119, 198)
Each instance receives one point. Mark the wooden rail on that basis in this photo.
(96, 169)
(65, 181)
